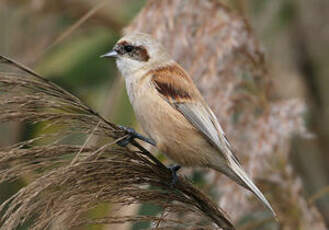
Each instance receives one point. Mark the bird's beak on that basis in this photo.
(112, 53)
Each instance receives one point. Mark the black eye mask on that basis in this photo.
(134, 52)
(128, 48)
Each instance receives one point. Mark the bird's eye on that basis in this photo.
(128, 48)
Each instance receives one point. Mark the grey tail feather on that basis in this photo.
(236, 173)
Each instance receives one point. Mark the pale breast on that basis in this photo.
(174, 135)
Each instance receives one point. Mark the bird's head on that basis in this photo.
(138, 51)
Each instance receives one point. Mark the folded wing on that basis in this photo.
(177, 88)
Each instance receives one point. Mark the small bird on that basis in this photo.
(172, 111)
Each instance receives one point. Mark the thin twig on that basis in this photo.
(78, 23)
(85, 144)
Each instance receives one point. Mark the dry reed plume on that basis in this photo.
(66, 180)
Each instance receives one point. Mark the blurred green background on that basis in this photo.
(48, 37)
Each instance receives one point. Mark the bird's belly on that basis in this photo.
(174, 135)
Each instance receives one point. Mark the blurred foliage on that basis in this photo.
(73, 63)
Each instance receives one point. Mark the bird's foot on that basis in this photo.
(174, 169)
(132, 134)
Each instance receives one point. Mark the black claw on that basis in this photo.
(174, 169)
(132, 134)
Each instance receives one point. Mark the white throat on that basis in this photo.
(129, 68)
(132, 71)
